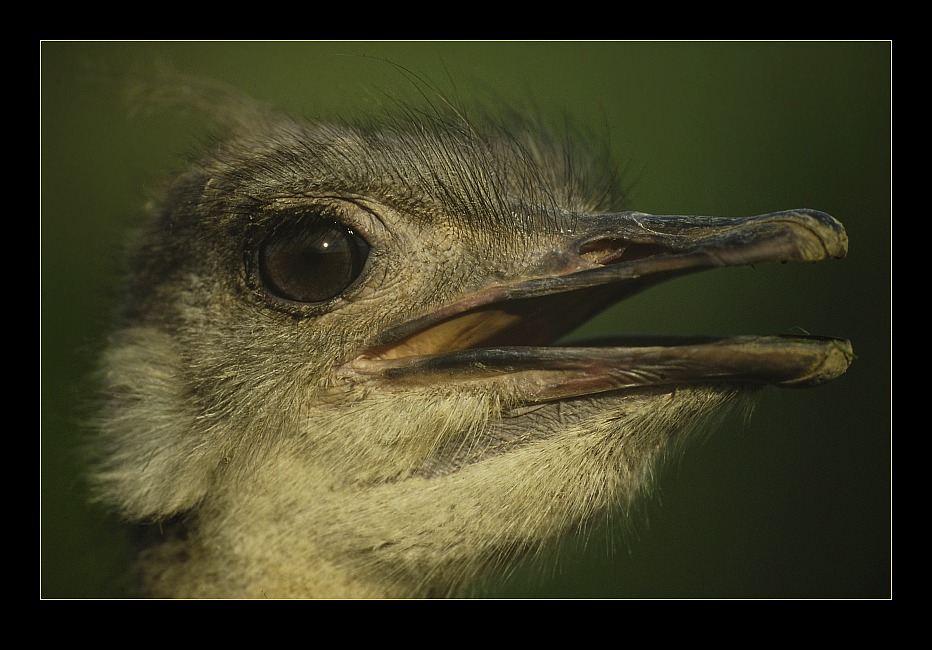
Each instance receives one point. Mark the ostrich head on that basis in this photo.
(335, 371)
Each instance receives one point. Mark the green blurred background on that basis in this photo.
(795, 503)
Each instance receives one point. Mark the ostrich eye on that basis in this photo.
(311, 259)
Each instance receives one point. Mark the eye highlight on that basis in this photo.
(311, 258)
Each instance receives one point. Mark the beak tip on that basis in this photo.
(833, 358)
(826, 229)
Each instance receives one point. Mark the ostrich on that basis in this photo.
(334, 373)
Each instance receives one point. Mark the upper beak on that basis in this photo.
(497, 331)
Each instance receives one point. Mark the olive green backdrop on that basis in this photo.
(794, 503)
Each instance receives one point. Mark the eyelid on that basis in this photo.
(358, 213)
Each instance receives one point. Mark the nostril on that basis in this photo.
(615, 251)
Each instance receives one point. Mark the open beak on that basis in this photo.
(503, 333)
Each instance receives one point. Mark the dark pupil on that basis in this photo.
(311, 260)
